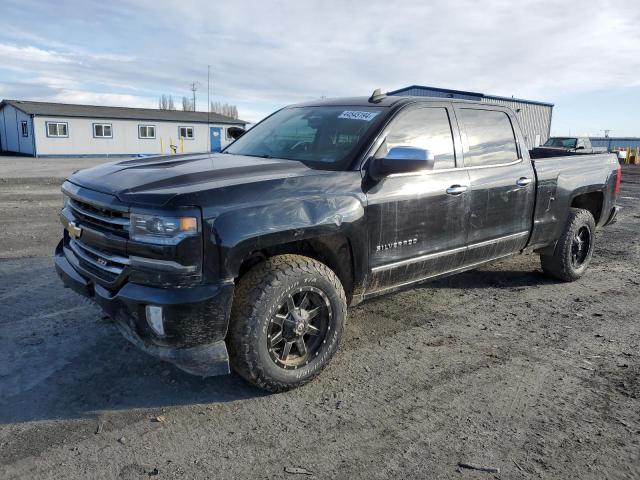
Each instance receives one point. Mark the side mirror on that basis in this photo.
(580, 147)
(402, 160)
(236, 132)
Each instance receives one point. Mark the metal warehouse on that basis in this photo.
(535, 117)
(57, 129)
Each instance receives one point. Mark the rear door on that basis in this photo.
(417, 221)
(502, 193)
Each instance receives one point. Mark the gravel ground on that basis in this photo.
(499, 367)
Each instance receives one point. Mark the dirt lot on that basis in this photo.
(499, 367)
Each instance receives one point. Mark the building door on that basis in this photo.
(216, 139)
(417, 222)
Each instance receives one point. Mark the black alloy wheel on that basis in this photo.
(299, 328)
(580, 246)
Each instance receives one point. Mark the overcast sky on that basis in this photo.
(584, 56)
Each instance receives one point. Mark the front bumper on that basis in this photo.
(195, 318)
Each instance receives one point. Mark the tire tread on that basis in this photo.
(558, 265)
(251, 290)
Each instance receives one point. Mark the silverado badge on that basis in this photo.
(402, 243)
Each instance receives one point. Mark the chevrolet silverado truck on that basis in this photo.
(248, 259)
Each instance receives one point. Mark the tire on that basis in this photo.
(562, 264)
(262, 309)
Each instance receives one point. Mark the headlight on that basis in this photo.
(162, 230)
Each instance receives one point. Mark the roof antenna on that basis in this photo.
(377, 96)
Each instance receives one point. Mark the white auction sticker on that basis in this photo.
(352, 115)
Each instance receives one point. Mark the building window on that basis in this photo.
(186, 132)
(102, 130)
(25, 128)
(57, 129)
(146, 131)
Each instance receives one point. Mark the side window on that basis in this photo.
(490, 137)
(25, 128)
(102, 130)
(57, 129)
(186, 133)
(146, 131)
(426, 128)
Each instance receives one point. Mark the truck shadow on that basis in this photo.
(110, 376)
(59, 360)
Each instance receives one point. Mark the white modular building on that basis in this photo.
(55, 129)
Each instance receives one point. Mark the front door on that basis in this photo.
(417, 222)
(502, 191)
(216, 139)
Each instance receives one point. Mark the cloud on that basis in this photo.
(267, 54)
(10, 54)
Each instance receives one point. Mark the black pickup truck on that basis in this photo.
(249, 258)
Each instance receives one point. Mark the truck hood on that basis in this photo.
(154, 181)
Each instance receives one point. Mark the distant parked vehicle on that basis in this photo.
(566, 146)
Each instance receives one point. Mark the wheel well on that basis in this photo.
(332, 250)
(590, 201)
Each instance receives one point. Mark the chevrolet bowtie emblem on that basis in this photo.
(74, 230)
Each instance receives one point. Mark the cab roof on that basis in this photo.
(385, 101)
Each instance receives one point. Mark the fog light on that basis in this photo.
(155, 318)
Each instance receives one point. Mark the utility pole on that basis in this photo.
(209, 106)
(193, 89)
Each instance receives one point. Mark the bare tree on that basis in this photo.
(187, 105)
(225, 109)
(165, 102)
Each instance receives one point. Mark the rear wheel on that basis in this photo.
(286, 322)
(574, 249)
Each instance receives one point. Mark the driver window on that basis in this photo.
(425, 128)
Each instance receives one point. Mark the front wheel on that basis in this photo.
(574, 249)
(287, 320)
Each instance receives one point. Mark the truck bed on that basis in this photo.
(560, 180)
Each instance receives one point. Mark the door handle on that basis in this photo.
(457, 189)
(523, 181)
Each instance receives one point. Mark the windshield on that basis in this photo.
(561, 142)
(320, 135)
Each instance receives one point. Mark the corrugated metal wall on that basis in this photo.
(534, 118)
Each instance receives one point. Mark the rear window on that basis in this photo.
(490, 137)
(561, 142)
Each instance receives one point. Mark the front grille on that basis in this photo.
(100, 218)
(106, 266)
